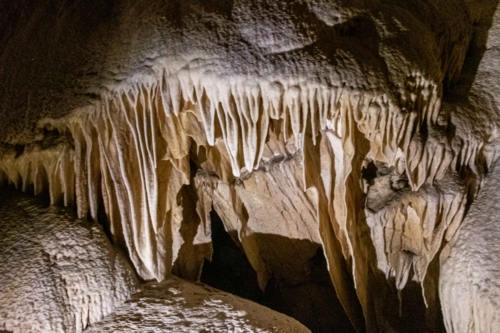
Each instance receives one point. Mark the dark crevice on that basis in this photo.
(369, 173)
(230, 269)
(312, 300)
(103, 220)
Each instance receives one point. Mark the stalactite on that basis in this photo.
(410, 227)
(37, 166)
(131, 153)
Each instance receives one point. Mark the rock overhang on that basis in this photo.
(349, 82)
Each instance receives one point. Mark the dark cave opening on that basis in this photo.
(312, 301)
(230, 269)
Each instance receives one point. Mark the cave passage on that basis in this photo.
(312, 301)
(230, 269)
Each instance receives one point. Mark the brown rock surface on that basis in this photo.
(362, 128)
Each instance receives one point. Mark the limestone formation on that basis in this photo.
(179, 306)
(366, 128)
(58, 274)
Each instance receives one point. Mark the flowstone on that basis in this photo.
(366, 128)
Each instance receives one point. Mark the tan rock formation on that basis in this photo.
(175, 305)
(364, 127)
(58, 274)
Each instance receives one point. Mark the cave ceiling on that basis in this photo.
(365, 130)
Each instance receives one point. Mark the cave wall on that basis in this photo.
(365, 128)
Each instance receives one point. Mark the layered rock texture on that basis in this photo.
(362, 130)
(58, 274)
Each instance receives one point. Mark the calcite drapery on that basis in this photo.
(241, 87)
